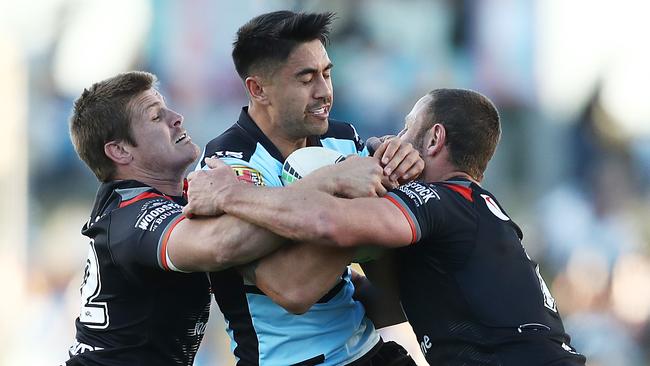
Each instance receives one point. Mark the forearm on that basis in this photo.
(318, 217)
(243, 242)
(298, 275)
(380, 295)
(282, 211)
(216, 243)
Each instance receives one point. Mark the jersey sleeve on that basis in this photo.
(421, 205)
(141, 231)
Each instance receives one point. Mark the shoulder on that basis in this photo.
(341, 130)
(342, 136)
(235, 142)
(142, 208)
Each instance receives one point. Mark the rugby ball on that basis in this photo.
(304, 161)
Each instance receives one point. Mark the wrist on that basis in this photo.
(323, 180)
(227, 194)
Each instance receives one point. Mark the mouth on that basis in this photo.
(182, 137)
(320, 112)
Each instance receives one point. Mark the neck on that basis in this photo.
(439, 168)
(442, 170)
(169, 185)
(285, 144)
(458, 173)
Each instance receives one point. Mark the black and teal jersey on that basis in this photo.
(335, 331)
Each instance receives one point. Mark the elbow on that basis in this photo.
(222, 257)
(295, 301)
(296, 308)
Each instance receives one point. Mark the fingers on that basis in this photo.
(389, 184)
(392, 147)
(187, 212)
(213, 163)
(380, 151)
(381, 190)
(414, 172)
(397, 159)
(410, 164)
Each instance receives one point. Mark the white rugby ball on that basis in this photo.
(304, 161)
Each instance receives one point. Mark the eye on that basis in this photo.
(155, 118)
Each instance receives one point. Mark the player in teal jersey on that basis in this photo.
(286, 71)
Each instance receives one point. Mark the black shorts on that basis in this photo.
(385, 354)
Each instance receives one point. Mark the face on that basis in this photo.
(300, 92)
(413, 123)
(164, 147)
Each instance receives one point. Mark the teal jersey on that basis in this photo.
(335, 331)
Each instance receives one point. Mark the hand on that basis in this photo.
(354, 177)
(205, 188)
(400, 160)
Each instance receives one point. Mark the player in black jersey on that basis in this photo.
(138, 306)
(470, 291)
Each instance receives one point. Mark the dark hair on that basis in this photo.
(472, 127)
(270, 38)
(102, 114)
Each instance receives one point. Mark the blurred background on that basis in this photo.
(573, 168)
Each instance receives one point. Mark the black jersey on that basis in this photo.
(135, 310)
(470, 291)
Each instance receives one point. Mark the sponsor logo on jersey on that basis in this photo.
(494, 208)
(425, 344)
(569, 349)
(248, 175)
(199, 329)
(229, 154)
(549, 300)
(154, 212)
(79, 348)
(419, 193)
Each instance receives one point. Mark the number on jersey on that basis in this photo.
(93, 314)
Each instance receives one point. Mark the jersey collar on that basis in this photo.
(459, 180)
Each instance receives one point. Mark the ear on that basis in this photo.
(436, 139)
(256, 89)
(119, 152)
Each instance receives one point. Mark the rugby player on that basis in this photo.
(467, 285)
(295, 307)
(138, 307)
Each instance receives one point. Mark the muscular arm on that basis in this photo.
(298, 275)
(307, 215)
(216, 243)
(383, 306)
(379, 293)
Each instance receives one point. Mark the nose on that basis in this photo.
(177, 119)
(323, 88)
